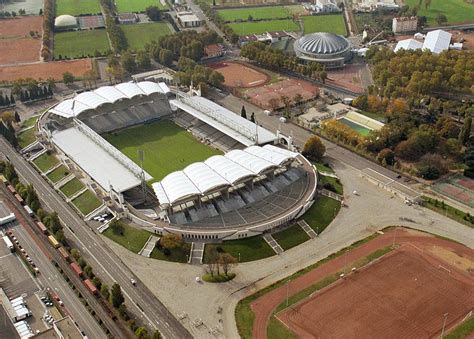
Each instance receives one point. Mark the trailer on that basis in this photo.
(42, 227)
(90, 286)
(63, 253)
(11, 189)
(9, 243)
(77, 269)
(20, 199)
(53, 241)
(29, 210)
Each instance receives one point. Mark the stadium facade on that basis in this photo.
(254, 187)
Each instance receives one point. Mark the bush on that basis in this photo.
(314, 148)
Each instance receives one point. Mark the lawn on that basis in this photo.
(45, 161)
(463, 330)
(29, 122)
(80, 44)
(58, 174)
(139, 34)
(86, 202)
(375, 116)
(323, 167)
(323, 211)
(334, 182)
(177, 254)
(457, 11)
(71, 187)
(132, 238)
(26, 137)
(250, 249)
(257, 13)
(449, 211)
(333, 23)
(77, 7)
(291, 237)
(125, 6)
(260, 27)
(167, 147)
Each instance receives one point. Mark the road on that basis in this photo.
(50, 277)
(106, 264)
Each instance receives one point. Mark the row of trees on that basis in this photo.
(48, 25)
(36, 93)
(190, 72)
(116, 35)
(7, 100)
(220, 262)
(12, 14)
(8, 132)
(274, 59)
(215, 17)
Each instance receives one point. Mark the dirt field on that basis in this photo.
(44, 70)
(16, 44)
(418, 297)
(403, 295)
(240, 76)
(347, 77)
(262, 95)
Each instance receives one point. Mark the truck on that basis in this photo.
(42, 227)
(20, 199)
(63, 253)
(9, 243)
(11, 189)
(77, 269)
(28, 210)
(53, 241)
(90, 286)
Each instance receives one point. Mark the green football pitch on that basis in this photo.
(167, 147)
(456, 11)
(77, 7)
(333, 23)
(124, 6)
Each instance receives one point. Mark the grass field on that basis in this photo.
(447, 210)
(291, 237)
(71, 187)
(86, 202)
(77, 7)
(80, 43)
(457, 11)
(332, 181)
(179, 254)
(333, 23)
(132, 239)
(125, 6)
(139, 34)
(323, 211)
(244, 28)
(58, 173)
(257, 13)
(26, 137)
(29, 122)
(167, 147)
(45, 162)
(250, 249)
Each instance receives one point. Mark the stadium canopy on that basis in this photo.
(108, 94)
(229, 123)
(218, 172)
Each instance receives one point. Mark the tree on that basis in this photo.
(7, 117)
(287, 102)
(171, 241)
(252, 117)
(81, 262)
(432, 166)
(441, 19)
(143, 60)
(117, 228)
(298, 99)
(128, 62)
(68, 78)
(88, 270)
(116, 296)
(157, 334)
(314, 148)
(104, 290)
(97, 282)
(274, 103)
(469, 160)
(141, 333)
(153, 12)
(227, 261)
(166, 57)
(243, 113)
(466, 130)
(386, 157)
(75, 253)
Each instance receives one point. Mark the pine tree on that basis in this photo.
(50, 90)
(12, 99)
(116, 296)
(2, 101)
(17, 117)
(252, 117)
(243, 113)
(7, 100)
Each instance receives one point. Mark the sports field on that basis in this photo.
(333, 23)
(140, 34)
(167, 147)
(257, 13)
(457, 187)
(240, 75)
(457, 11)
(77, 7)
(244, 28)
(125, 6)
(80, 44)
(356, 127)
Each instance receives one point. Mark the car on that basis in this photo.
(133, 281)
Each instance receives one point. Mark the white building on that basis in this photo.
(372, 5)
(188, 19)
(404, 24)
(326, 6)
(435, 41)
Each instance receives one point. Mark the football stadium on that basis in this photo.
(178, 162)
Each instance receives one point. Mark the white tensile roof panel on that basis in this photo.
(275, 158)
(253, 163)
(437, 41)
(408, 44)
(204, 178)
(178, 186)
(149, 87)
(130, 89)
(164, 87)
(110, 93)
(91, 99)
(70, 108)
(281, 150)
(160, 193)
(228, 169)
(98, 163)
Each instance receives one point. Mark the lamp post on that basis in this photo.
(287, 292)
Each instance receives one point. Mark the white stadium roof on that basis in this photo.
(437, 41)
(100, 162)
(229, 123)
(219, 171)
(108, 94)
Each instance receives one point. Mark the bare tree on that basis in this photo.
(227, 262)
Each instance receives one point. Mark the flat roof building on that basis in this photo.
(188, 19)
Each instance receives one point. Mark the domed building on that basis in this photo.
(65, 22)
(331, 50)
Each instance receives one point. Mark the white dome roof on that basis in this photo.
(65, 21)
(322, 43)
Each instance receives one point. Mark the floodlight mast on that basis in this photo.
(141, 157)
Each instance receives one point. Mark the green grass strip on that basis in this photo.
(449, 211)
(26, 138)
(132, 238)
(45, 161)
(86, 202)
(71, 187)
(291, 237)
(463, 330)
(58, 174)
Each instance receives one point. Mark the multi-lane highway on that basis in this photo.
(106, 264)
